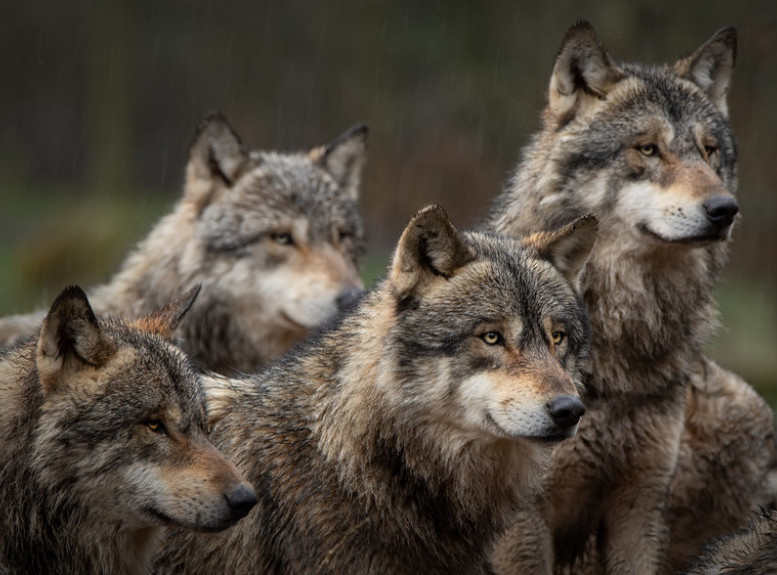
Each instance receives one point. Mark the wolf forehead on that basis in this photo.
(152, 372)
(653, 99)
(278, 188)
(508, 278)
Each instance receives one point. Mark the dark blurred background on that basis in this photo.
(99, 100)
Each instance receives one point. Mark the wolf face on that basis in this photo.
(123, 422)
(648, 149)
(500, 343)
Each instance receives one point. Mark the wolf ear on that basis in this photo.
(70, 338)
(166, 320)
(582, 75)
(710, 66)
(568, 247)
(430, 246)
(217, 154)
(344, 158)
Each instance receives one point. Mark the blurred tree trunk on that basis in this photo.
(108, 111)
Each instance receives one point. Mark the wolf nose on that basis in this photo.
(348, 298)
(721, 210)
(241, 500)
(566, 410)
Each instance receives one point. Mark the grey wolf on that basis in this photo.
(650, 151)
(751, 550)
(399, 441)
(103, 444)
(272, 238)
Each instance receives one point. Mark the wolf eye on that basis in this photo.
(156, 426)
(492, 337)
(283, 239)
(558, 337)
(648, 150)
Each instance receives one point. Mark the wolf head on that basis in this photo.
(122, 422)
(648, 149)
(490, 335)
(275, 241)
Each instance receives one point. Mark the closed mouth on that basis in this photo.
(719, 235)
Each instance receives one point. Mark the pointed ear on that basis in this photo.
(582, 75)
(216, 155)
(344, 158)
(166, 320)
(710, 66)
(568, 247)
(430, 246)
(70, 339)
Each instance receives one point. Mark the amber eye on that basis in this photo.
(156, 426)
(492, 337)
(648, 150)
(558, 337)
(283, 239)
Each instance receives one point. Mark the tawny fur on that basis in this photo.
(272, 238)
(103, 444)
(650, 151)
(400, 441)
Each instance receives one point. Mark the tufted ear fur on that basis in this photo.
(568, 247)
(344, 158)
(166, 320)
(430, 247)
(70, 339)
(710, 66)
(216, 158)
(582, 76)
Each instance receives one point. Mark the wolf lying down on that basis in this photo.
(272, 238)
(103, 443)
(400, 441)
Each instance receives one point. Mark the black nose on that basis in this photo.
(721, 210)
(348, 297)
(241, 500)
(566, 410)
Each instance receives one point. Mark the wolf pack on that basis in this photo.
(530, 396)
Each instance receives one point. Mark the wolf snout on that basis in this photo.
(721, 210)
(566, 410)
(241, 500)
(348, 297)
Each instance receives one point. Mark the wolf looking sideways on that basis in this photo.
(102, 444)
(648, 150)
(272, 238)
(400, 441)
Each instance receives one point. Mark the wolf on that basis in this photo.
(748, 551)
(103, 444)
(398, 441)
(650, 151)
(274, 240)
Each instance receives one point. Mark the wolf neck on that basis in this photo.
(650, 305)
(385, 446)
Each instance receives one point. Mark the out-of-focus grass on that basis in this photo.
(45, 246)
(747, 341)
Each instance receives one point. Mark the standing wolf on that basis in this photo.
(272, 238)
(650, 151)
(400, 441)
(102, 443)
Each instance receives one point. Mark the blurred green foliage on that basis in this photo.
(100, 99)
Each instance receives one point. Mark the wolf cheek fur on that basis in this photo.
(650, 151)
(400, 441)
(102, 444)
(273, 238)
